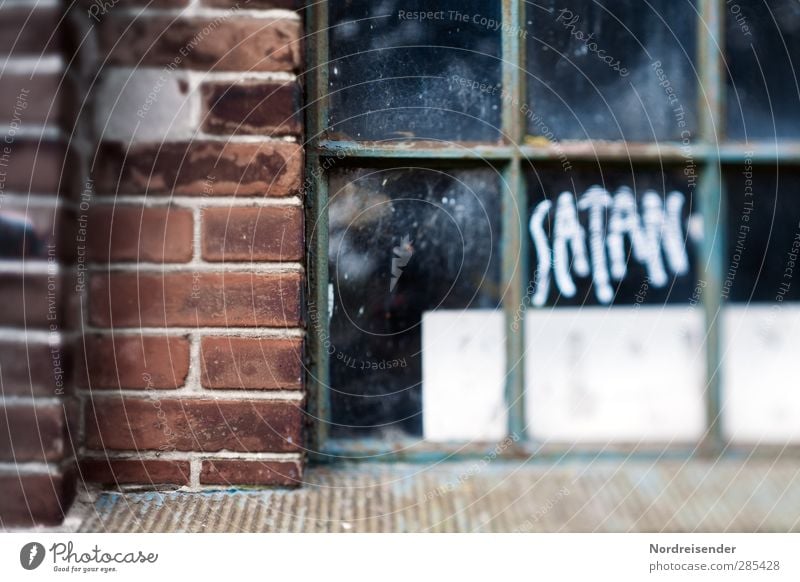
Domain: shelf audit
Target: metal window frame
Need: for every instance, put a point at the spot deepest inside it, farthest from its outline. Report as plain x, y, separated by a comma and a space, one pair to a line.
711, 153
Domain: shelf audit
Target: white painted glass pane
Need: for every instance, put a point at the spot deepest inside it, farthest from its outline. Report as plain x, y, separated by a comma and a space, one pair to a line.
762, 394
615, 374
463, 374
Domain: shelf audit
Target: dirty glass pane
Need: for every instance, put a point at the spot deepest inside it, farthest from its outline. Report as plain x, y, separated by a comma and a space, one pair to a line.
412, 69
762, 317
414, 263
762, 45
611, 69
614, 327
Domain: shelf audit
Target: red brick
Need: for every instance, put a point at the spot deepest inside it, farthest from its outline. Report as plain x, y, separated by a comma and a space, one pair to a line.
240, 472
231, 363
34, 167
34, 369
29, 433
251, 107
193, 425
201, 169
141, 234
134, 362
253, 234
26, 301
26, 30
35, 98
227, 43
35, 498
126, 471
202, 299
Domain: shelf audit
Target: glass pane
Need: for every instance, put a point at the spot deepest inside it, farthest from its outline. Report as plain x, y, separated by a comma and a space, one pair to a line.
407, 69
416, 342
762, 318
762, 47
614, 329
612, 69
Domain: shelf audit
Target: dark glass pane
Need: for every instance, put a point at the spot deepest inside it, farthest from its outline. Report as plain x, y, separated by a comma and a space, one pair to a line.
404, 243
761, 325
762, 48
614, 327
763, 235
612, 236
410, 69
619, 70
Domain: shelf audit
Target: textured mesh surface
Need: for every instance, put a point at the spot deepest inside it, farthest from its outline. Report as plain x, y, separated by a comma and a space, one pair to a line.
465, 497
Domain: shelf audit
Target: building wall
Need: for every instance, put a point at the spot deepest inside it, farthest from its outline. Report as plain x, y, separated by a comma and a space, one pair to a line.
187, 234
37, 410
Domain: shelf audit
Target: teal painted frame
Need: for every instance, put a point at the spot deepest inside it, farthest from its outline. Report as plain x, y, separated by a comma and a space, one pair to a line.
711, 152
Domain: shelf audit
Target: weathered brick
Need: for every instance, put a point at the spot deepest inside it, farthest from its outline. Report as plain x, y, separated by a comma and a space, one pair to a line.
241, 472
141, 234
35, 498
31, 369
251, 107
144, 105
201, 168
30, 301
134, 362
125, 471
29, 30
232, 43
251, 363
253, 234
193, 425
201, 299
32, 433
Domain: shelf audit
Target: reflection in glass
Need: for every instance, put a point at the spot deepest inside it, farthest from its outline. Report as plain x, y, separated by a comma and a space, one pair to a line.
410, 250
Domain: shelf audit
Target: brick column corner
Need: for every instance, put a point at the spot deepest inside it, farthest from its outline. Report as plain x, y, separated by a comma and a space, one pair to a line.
190, 361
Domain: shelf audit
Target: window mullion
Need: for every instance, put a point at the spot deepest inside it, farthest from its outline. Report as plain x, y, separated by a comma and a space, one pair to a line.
711, 200
315, 193
514, 250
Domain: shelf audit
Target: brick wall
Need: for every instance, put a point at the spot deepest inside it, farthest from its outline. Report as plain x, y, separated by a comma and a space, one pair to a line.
37, 412
152, 248
191, 357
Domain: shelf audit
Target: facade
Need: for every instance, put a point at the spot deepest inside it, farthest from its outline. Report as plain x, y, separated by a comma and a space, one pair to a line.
242, 239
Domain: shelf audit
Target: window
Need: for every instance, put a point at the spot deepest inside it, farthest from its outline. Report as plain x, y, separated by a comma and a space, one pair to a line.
524, 222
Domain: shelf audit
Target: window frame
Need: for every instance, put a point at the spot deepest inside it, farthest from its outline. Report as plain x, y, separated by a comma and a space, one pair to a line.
711, 152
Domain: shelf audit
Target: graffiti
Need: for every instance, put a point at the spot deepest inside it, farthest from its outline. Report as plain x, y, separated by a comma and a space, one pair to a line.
654, 232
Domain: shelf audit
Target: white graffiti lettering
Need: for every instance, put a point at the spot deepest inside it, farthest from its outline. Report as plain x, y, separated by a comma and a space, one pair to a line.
654, 234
